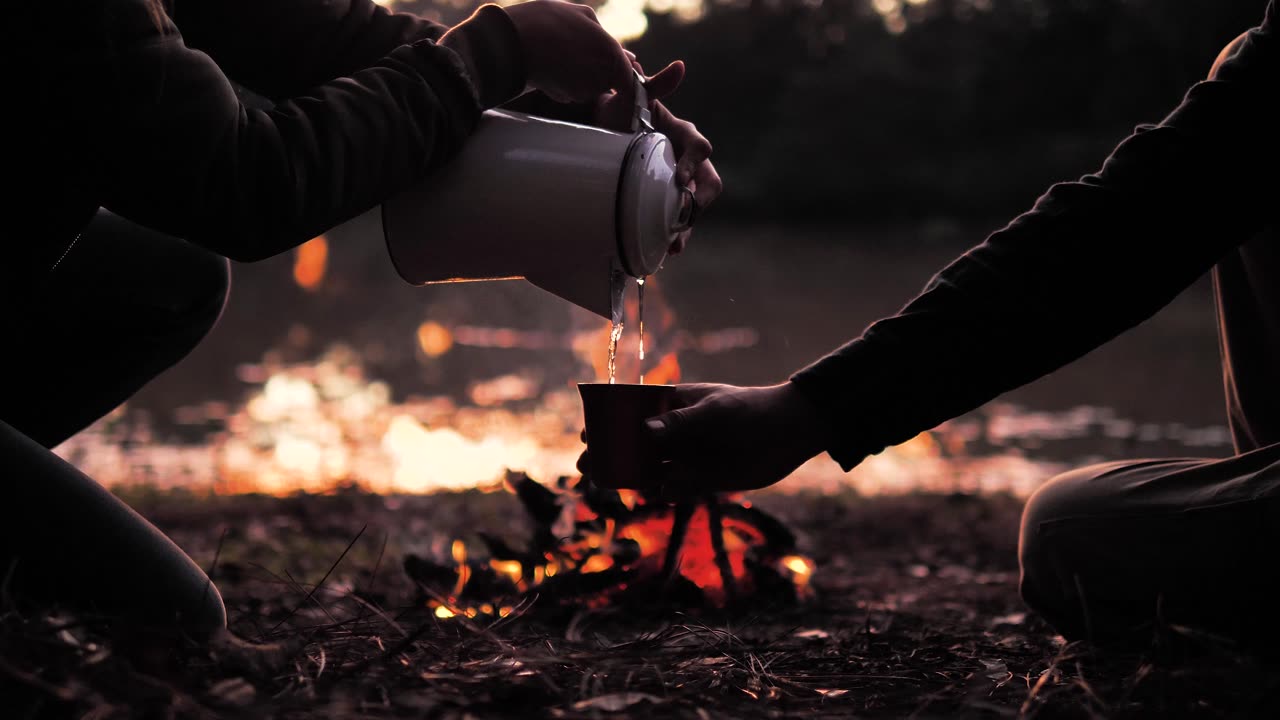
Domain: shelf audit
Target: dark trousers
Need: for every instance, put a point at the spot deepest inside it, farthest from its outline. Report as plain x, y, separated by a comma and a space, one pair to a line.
1109, 552
124, 304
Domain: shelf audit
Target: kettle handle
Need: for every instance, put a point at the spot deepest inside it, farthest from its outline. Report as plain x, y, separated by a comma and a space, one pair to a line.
688, 210
641, 121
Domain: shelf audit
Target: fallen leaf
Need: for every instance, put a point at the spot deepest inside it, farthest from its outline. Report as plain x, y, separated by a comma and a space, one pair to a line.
995, 669
235, 692
615, 702
831, 692
1011, 619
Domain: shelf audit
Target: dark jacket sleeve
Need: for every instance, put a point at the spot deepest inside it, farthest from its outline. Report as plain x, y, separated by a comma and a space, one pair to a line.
281, 48
1092, 259
170, 146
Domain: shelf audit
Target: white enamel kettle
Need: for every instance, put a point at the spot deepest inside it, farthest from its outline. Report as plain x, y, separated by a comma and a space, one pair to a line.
571, 208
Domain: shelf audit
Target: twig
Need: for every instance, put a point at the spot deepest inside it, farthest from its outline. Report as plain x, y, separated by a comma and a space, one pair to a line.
322, 580
716, 528
680, 518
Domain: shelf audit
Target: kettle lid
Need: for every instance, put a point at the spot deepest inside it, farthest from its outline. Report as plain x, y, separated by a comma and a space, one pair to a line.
651, 207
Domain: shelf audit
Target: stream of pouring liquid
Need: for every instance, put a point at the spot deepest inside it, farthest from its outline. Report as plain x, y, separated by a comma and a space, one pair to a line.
640, 319
615, 334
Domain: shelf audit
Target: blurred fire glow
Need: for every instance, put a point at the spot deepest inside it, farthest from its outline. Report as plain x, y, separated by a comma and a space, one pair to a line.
309, 263
319, 425
434, 339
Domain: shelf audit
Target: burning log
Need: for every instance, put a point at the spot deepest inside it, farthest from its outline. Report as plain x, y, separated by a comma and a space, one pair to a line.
593, 546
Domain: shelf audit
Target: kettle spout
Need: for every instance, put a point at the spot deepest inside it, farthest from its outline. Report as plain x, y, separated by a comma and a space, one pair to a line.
597, 286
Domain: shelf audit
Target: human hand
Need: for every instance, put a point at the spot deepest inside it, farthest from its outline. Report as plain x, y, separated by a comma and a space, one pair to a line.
567, 54
725, 438
693, 164
693, 151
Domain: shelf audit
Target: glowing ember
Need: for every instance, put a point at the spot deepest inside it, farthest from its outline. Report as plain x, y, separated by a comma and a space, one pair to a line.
591, 549
801, 568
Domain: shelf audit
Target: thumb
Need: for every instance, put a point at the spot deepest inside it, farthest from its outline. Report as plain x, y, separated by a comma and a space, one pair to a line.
668, 433
665, 81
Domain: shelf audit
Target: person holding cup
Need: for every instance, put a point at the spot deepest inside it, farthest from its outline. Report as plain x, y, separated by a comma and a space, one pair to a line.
1102, 549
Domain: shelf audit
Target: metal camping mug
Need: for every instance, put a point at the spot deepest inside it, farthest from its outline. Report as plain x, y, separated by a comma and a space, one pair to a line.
621, 454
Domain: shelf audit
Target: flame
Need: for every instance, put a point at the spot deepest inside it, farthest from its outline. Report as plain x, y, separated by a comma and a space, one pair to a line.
444, 613
801, 566
309, 263
596, 563
508, 568
650, 534
666, 372
723, 568
591, 346
628, 498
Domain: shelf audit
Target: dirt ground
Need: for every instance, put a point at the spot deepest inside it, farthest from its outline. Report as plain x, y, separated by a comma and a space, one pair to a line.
916, 614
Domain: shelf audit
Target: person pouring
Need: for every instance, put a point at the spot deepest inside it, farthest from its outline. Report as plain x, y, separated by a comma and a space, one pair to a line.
141, 171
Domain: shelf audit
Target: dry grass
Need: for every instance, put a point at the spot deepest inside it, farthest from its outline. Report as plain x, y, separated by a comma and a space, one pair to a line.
917, 615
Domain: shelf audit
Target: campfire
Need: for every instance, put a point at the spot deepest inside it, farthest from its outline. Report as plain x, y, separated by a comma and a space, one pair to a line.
593, 547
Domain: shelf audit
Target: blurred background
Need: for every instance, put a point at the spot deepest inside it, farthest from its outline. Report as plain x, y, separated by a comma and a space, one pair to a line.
863, 144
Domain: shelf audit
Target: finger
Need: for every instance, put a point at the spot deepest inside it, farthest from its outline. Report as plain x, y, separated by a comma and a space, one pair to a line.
621, 75
617, 79
707, 184
683, 483
665, 81
679, 242
691, 146
668, 434
684, 134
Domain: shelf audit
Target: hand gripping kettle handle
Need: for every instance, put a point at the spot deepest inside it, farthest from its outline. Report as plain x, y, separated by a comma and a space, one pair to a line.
688, 210
641, 122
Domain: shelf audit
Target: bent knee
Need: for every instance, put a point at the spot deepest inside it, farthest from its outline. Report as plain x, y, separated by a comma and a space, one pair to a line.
1074, 493
208, 278
1069, 494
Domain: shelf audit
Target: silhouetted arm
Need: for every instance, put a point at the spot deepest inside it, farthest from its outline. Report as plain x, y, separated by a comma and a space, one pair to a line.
170, 146
1092, 259
280, 48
